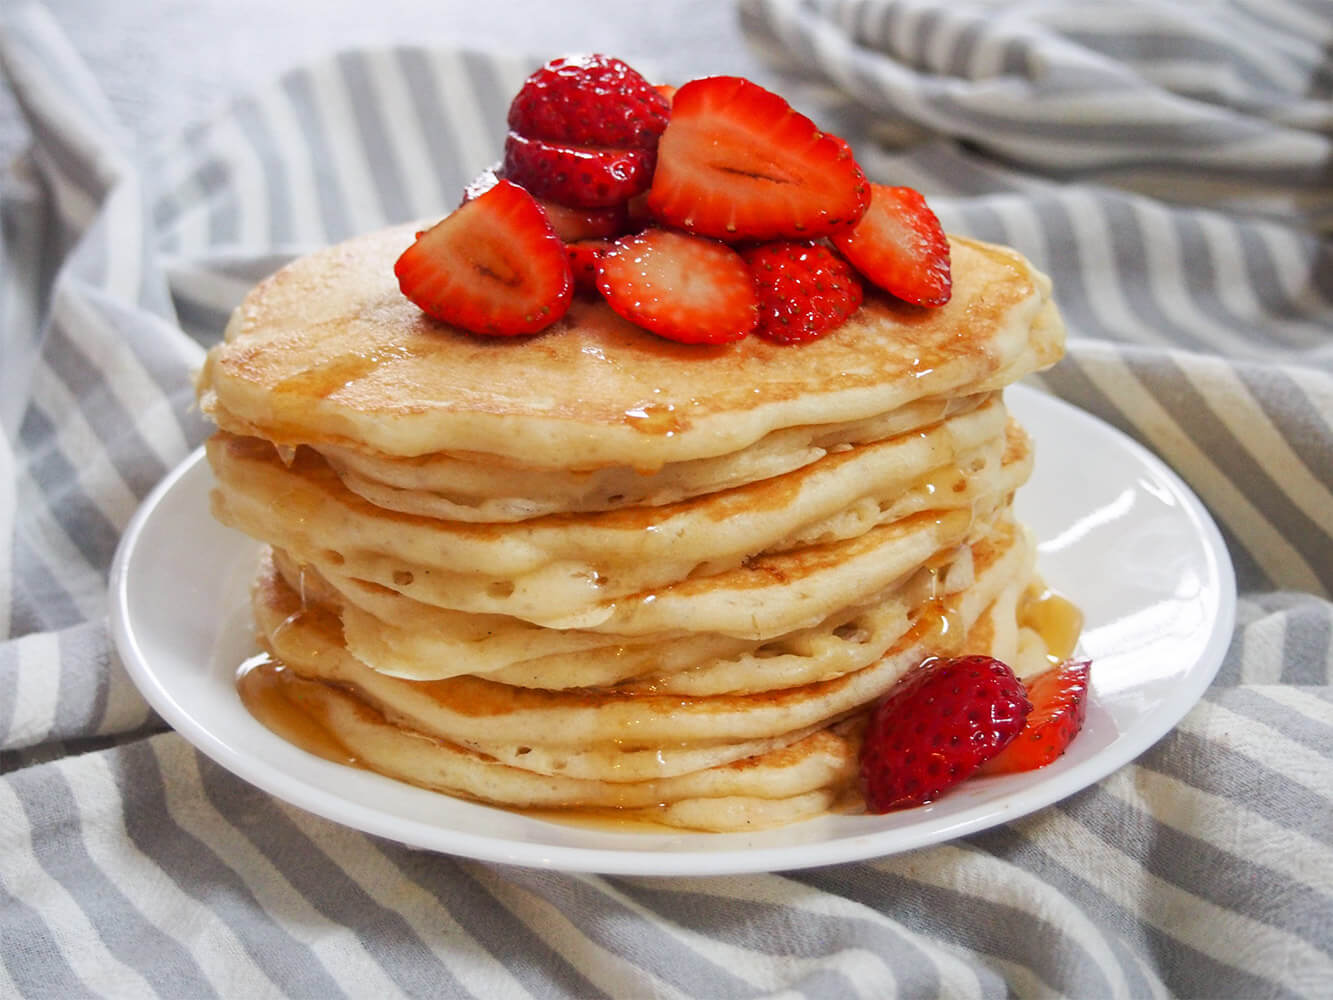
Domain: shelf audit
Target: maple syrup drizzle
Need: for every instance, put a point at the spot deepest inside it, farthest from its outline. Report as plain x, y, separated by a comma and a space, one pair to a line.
263, 687
262, 684
659, 419
1053, 617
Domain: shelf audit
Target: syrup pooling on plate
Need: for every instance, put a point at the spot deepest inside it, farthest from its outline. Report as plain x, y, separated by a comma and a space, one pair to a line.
604, 566
261, 685
1055, 618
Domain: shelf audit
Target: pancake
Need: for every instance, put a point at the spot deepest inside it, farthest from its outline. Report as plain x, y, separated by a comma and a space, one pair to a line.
457, 489
328, 352
700, 663
556, 568
480, 738
593, 569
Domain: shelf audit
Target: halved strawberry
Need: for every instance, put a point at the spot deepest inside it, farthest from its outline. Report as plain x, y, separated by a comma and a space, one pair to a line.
584, 258
900, 246
574, 224
681, 287
589, 100
1059, 707
582, 176
936, 727
736, 162
804, 289
493, 266
667, 91
570, 223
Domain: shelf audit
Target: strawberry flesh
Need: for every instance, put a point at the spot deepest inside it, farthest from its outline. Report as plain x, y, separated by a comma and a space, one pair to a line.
681, 287
736, 162
936, 727
900, 246
590, 100
804, 289
1059, 707
570, 224
573, 224
493, 266
579, 176
584, 260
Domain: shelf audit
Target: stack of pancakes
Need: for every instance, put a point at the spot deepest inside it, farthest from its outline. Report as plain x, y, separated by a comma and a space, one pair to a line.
595, 569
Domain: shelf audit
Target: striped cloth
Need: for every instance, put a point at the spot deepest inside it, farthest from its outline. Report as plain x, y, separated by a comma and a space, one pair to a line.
1167, 163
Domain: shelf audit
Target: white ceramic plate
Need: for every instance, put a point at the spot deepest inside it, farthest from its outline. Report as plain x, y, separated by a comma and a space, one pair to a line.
1120, 534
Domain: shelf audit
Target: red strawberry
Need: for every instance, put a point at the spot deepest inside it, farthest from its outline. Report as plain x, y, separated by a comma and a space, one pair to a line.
936, 726
1059, 706
667, 91
582, 176
493, 266
736, 162
584, 258
574, 224
637, 210
804, 289
900, 246
678, 286
591, 100
570, 224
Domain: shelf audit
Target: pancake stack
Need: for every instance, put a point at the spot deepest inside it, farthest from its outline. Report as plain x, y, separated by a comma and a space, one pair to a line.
596, 570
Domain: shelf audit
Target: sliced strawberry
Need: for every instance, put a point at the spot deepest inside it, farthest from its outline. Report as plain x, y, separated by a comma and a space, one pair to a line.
637, 210
736, 162
581, 176
570, 223
900, 246
590, 100
804, 289
493, 266
584, 259
1059, 707
678, 286
936, 726
667, 91
574, 224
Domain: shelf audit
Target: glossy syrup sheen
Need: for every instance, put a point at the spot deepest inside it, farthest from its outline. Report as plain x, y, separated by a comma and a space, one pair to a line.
1055, 618
261, 683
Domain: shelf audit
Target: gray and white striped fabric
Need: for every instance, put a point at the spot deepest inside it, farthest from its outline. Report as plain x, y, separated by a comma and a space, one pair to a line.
1168, 165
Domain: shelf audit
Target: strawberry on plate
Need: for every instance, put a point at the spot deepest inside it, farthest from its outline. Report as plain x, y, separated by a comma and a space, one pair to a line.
1059, 707
936, 727
681, 287
573, 224
493, 266
590, 100
570, 223
900, 246
736, 162
804, 289
581, 176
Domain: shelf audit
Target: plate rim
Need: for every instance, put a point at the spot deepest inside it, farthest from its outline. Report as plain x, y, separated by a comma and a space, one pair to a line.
611, 860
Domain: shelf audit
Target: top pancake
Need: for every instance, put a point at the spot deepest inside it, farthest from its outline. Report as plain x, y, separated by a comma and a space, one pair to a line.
329, 352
